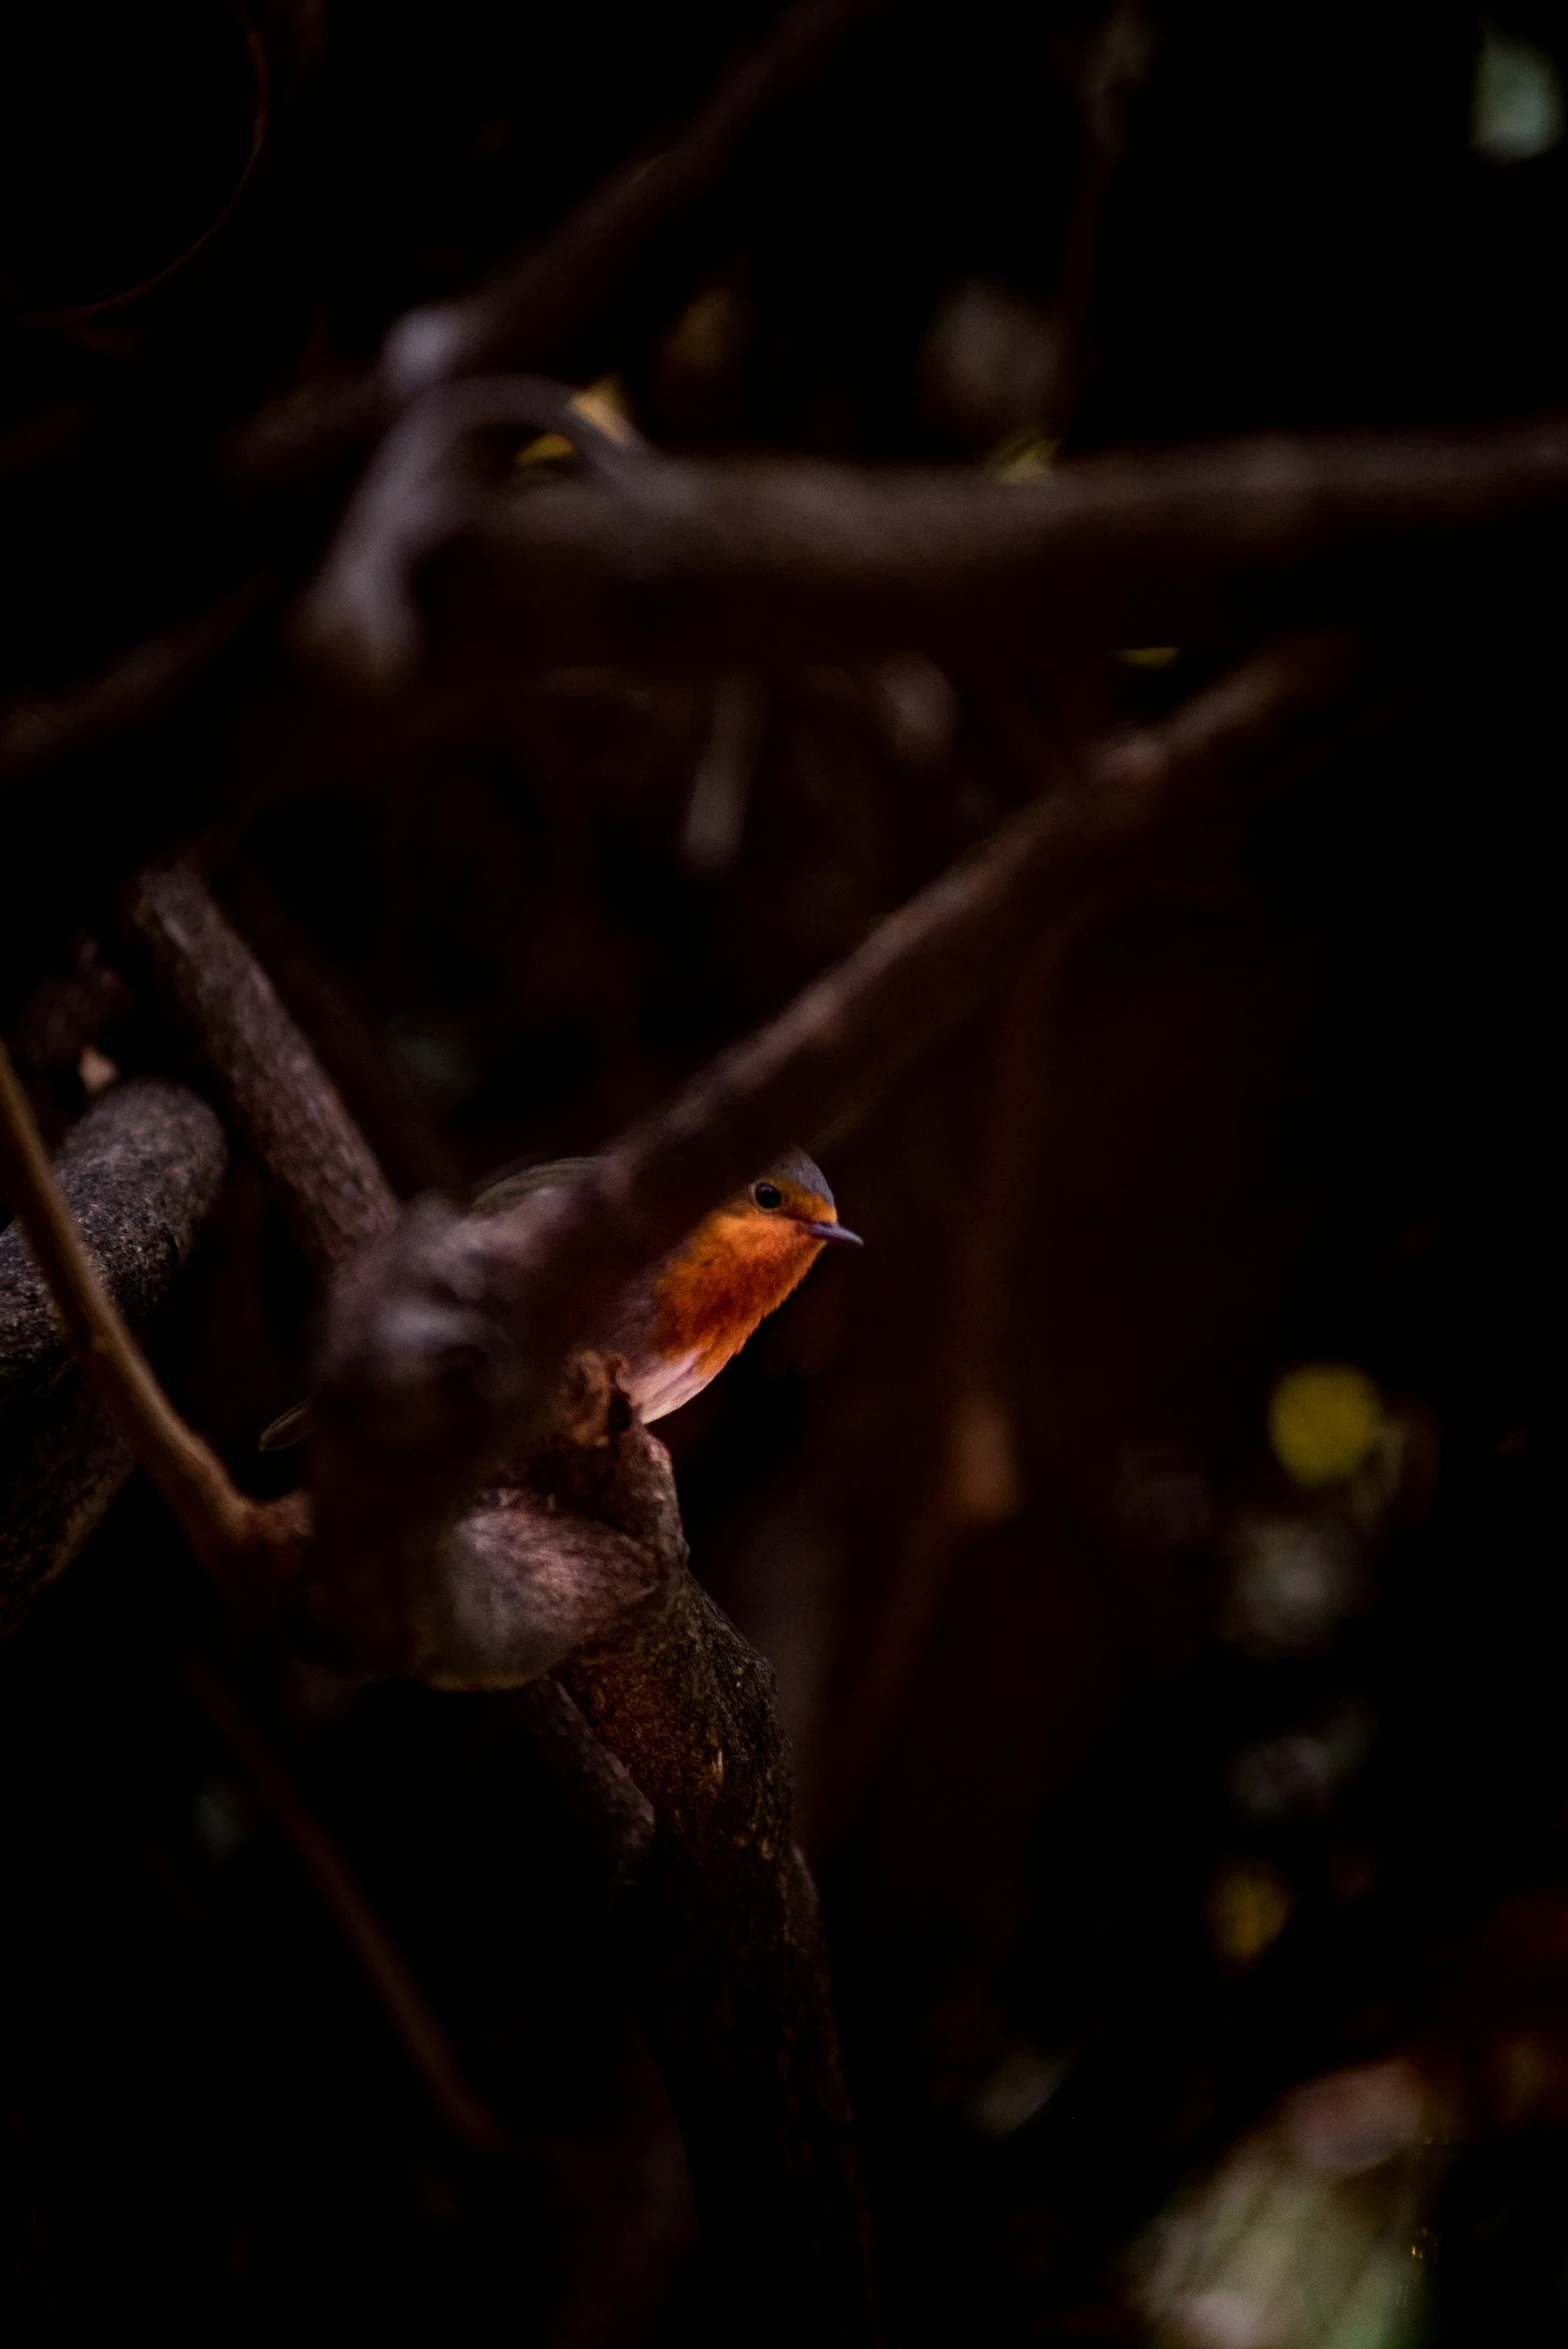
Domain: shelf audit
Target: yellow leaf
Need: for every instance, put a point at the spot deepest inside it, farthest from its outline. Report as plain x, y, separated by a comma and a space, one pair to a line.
1324, 1420
603, 403
1249, 1907
1027, 456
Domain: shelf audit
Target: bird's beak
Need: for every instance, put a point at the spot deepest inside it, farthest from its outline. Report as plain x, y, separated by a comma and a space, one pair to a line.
833, 1231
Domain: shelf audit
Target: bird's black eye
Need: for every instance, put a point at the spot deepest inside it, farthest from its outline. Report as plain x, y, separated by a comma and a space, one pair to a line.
767, 1194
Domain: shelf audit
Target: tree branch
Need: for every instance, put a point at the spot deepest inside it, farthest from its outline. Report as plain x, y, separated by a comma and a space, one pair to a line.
580, 1561
590, 1541
403, 1137
538, 304
275, 1090
733, 1984
285, 464
39, 732
584, 1537
413, 2021
441, 1341
147, 1131
682, 563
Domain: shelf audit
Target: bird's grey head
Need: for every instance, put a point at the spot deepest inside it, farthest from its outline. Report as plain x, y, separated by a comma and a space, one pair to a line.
793, 1166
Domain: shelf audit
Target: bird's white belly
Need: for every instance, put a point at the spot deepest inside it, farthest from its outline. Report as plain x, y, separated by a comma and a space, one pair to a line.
662, 1387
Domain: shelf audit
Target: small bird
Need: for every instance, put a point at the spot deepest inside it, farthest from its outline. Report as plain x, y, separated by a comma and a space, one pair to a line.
677, 1324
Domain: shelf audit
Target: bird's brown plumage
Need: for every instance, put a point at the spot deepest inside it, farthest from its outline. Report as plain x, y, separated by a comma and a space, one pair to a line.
678, 1324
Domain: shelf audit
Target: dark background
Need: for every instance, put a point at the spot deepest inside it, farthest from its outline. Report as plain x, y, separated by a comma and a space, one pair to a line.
1296, 1109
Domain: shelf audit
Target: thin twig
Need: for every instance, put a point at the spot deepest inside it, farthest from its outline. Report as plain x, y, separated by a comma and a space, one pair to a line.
40, 732
414, 2022
139, 1174
1111, 72
537, 306
716, 811
220, 1524
539, 302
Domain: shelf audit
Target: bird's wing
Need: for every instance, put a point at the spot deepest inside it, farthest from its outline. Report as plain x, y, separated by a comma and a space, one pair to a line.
554, 1175
629, 1324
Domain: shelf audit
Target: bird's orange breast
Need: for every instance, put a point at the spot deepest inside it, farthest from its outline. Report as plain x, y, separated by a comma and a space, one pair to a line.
733, 1272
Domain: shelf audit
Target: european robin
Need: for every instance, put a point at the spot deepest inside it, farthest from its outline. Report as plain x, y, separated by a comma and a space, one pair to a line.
682, 1320
678, 1323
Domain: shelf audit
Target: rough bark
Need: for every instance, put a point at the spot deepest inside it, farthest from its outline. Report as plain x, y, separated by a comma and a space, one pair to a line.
733, 1984
405, 1140
275, 1090
583, 1540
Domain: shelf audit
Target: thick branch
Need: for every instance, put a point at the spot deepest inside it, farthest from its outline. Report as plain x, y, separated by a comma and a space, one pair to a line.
733, 1985
722, 563
139, 1174
584, 1540
272, 1085
583, 1548
590, 1541
580, 1562
587, 1539
61, 1463
402, 1135
734, 566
